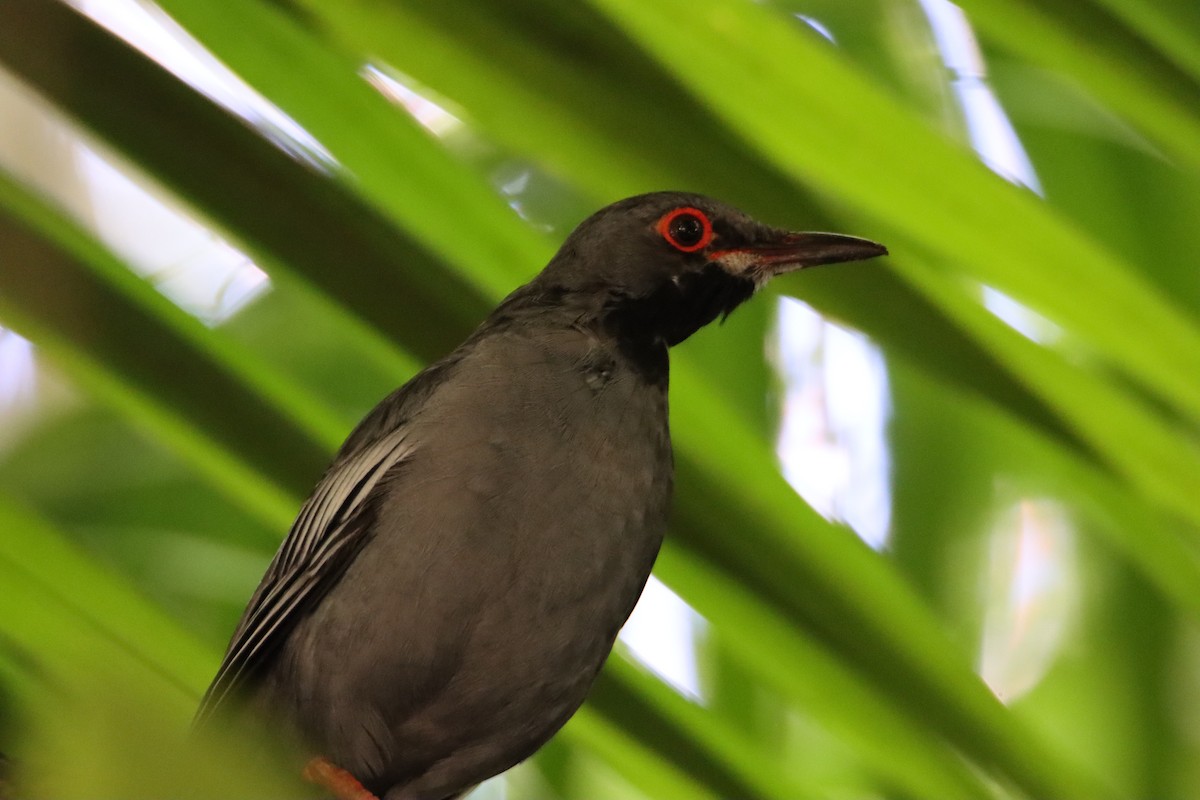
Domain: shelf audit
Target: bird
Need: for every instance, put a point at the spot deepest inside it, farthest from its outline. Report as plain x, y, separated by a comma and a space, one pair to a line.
449, 592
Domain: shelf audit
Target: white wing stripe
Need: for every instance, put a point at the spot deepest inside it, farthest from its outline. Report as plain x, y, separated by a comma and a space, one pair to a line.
322, 530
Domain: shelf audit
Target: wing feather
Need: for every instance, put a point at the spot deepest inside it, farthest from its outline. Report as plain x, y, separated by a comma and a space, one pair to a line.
327, 532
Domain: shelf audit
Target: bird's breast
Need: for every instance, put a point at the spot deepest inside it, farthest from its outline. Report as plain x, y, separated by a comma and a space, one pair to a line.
562, 462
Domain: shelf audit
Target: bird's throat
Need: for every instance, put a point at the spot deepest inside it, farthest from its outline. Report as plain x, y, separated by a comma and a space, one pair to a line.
684, 305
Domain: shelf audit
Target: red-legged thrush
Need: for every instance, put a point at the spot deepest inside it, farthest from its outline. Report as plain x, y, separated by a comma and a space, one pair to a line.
450, 590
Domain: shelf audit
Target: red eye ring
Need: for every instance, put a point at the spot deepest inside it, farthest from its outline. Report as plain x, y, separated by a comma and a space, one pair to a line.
677, 228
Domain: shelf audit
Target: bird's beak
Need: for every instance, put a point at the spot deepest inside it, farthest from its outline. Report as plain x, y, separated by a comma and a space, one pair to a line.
792, 251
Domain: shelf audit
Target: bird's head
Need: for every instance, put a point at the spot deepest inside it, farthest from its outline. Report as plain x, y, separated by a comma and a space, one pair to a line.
668, 263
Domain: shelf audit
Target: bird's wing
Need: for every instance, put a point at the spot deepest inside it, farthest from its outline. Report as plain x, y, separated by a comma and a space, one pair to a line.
329, 530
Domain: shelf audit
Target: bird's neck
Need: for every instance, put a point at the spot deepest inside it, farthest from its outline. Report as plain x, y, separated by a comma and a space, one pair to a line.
599, 318
646, 355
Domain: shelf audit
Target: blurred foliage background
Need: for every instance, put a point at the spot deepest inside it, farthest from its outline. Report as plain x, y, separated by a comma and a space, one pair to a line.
228, 228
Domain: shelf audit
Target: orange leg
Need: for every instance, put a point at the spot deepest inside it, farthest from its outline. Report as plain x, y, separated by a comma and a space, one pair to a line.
341, 783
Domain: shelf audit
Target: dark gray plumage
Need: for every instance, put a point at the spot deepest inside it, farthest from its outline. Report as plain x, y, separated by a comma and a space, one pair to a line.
451, 589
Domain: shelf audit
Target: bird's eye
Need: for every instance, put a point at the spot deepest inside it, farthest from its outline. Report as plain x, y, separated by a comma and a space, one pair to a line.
687, 229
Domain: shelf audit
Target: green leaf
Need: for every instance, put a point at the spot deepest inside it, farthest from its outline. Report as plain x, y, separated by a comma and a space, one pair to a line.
1088, 43
704, 744
828, 580
1173, 28
742, 59
59, 286
898, 750
64, 610
625, 754
427, 192
1151, 454
241, 181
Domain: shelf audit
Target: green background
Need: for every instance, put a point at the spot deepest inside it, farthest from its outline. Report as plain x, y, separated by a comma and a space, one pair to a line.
142, 497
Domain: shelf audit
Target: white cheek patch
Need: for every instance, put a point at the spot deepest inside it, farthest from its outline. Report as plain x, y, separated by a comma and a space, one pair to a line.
742, 263
736, 261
